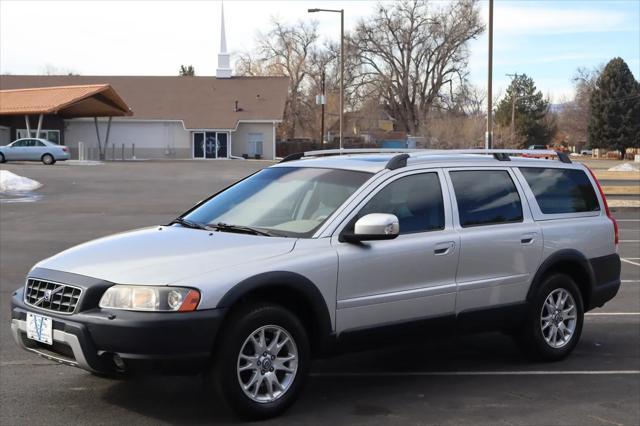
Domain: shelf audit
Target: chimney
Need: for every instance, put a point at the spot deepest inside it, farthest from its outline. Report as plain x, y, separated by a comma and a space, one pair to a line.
224, 63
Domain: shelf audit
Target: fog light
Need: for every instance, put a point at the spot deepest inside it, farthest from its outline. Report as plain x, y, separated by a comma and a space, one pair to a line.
119, 363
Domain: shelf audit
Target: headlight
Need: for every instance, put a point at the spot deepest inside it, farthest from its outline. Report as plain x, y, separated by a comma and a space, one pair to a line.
146, 298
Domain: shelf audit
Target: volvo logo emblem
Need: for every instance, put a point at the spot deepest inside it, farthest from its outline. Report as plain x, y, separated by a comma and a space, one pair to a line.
48, 295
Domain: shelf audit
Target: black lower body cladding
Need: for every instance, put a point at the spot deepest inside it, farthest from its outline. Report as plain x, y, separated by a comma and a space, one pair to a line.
606, 271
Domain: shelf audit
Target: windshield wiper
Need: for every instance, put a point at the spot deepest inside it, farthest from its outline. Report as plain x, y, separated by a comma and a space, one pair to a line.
189, 224
225, 227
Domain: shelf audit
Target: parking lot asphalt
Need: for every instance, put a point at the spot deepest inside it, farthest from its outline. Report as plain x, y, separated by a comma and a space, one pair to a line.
480, 379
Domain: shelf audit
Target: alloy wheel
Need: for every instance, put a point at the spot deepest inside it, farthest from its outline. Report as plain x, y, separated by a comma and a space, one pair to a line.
558, 318
267, 364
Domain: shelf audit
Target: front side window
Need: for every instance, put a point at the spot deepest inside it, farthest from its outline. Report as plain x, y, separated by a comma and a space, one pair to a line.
416, 201
288, 201
486, 197
19, 144
561, 190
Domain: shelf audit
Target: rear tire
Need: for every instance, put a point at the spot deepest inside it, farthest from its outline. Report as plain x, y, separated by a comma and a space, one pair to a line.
48, 159
262, 360
554, 320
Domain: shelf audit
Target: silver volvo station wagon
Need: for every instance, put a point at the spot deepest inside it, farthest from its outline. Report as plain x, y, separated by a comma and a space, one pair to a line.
324, 253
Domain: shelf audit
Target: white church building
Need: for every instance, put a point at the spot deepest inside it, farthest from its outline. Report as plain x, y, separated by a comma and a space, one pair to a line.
179, 117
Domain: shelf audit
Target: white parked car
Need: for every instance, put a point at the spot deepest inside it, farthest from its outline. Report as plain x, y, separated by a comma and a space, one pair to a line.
32, 149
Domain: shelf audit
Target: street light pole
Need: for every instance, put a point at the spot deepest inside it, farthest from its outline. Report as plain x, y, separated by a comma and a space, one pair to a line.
341, 12
488, 143
341, 73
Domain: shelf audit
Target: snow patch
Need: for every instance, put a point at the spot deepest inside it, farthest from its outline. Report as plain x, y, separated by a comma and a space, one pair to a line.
10, 182
625, 167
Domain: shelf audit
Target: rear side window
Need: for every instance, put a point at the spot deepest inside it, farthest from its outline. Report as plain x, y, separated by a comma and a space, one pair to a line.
415, 199
561, 190
486, 197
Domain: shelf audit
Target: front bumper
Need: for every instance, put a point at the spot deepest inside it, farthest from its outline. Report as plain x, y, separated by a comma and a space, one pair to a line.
151, 341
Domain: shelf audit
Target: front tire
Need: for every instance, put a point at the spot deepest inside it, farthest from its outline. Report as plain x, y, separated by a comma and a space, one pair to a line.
262, 361
554, 320
48, 159
2, 159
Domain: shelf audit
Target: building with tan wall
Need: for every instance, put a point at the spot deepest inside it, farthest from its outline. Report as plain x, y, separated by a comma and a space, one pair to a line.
177, 117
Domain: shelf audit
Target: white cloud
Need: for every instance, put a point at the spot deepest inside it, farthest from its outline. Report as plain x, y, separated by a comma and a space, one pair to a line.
520, 18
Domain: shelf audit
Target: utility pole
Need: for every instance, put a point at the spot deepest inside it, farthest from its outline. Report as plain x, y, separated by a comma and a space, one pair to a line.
341, 12
322, 112
488, 143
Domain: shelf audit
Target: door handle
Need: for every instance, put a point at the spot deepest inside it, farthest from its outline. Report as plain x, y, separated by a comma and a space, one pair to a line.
445, 248
528, 238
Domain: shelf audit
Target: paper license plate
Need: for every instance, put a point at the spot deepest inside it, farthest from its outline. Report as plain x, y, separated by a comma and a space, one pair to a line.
40, 328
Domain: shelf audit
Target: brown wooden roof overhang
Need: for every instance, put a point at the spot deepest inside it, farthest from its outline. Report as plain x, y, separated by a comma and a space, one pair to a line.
91, 100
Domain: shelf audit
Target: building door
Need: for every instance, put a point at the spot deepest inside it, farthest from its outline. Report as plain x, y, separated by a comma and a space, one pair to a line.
222, 148
5, 135
210, 146
198, 144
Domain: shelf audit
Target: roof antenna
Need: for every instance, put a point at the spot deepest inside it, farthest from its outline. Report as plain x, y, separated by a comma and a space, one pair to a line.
236, 108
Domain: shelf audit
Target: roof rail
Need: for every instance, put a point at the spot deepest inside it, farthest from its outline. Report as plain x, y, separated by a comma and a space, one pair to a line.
401, 160
499, 154
322, 152
292, 157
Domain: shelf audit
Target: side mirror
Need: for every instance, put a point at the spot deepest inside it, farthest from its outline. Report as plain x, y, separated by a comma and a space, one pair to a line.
374, 226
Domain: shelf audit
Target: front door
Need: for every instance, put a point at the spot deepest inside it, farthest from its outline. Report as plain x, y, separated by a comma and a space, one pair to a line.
210, 145
408, 278
500, 244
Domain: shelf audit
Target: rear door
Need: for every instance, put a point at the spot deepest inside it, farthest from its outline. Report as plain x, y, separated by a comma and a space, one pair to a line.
410, 277
500, 245
36, 150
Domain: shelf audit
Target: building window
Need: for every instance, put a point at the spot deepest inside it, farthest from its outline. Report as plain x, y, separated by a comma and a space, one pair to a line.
256, 144
50, 135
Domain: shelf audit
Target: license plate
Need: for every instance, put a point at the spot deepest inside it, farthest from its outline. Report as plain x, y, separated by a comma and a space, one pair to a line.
40, 328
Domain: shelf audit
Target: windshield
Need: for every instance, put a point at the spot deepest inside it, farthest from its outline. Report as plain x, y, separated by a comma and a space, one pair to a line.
289, 201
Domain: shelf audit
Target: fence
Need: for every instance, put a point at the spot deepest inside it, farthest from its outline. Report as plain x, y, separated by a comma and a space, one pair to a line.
113, 152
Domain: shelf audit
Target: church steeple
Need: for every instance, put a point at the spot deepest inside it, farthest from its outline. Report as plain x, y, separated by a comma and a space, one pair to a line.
224, 63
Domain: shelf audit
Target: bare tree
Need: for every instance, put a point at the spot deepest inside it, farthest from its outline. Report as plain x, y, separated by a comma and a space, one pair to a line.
573, 118
285, 50
413, 54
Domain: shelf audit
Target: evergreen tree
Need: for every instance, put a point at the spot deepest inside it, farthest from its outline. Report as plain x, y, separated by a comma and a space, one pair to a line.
615, 109
187, 71
531, 127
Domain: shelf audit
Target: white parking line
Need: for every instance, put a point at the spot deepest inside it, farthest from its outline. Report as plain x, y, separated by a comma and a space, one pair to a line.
627, 220
629, 241
611, 314
630, 281
629, 261
480, 373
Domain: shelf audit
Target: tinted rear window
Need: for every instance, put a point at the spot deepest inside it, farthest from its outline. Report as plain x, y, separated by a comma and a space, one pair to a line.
486, 197
561, 190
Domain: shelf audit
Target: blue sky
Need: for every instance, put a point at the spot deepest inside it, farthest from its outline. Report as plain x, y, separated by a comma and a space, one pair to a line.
547, 39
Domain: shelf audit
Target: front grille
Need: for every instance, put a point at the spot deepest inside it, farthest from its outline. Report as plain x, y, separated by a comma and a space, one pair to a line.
51, 296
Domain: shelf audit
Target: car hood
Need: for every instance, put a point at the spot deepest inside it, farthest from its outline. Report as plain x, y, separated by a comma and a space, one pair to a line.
165, 254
